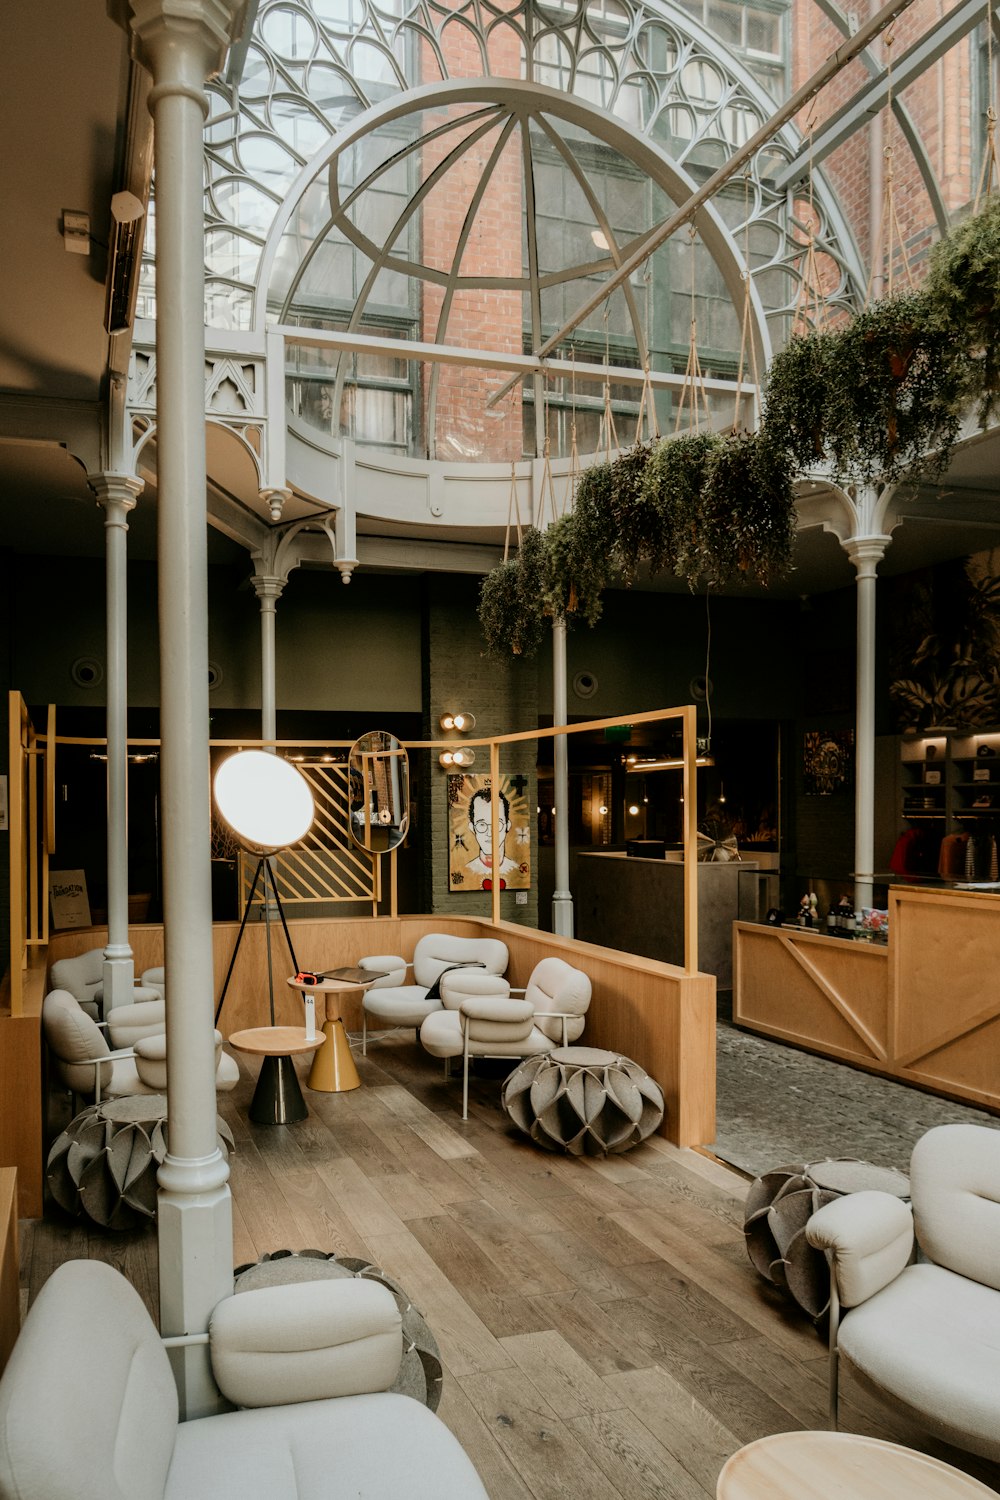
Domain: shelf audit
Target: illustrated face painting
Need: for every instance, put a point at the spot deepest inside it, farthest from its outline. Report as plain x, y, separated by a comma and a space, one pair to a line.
472, 861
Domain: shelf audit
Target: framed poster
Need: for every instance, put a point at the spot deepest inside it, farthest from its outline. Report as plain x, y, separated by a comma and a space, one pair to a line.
471, 860
68, 895
827, 761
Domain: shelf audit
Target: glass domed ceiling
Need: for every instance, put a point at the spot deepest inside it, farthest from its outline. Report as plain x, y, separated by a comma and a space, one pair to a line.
482, 224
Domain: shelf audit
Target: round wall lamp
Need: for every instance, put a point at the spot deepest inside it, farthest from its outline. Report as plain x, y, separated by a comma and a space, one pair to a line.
457, 758
265, 801
464, 723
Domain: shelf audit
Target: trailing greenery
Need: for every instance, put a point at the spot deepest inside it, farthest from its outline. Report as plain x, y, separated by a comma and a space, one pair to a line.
574, 576
510, 601
880, 397
675, 480
747, 524
637, 524
963, 295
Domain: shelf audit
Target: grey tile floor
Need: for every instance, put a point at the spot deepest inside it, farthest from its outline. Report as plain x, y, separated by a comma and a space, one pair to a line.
776, 1104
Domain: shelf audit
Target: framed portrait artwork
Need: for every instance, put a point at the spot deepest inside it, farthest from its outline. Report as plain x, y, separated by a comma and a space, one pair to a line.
472, 861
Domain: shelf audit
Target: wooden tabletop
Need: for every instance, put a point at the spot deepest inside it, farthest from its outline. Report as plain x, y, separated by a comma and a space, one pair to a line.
330, 986
274, 1041
831, 1465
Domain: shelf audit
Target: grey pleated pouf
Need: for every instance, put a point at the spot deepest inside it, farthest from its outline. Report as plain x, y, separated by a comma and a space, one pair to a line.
420, 1371
780, 1204
104, 1163
584, 1101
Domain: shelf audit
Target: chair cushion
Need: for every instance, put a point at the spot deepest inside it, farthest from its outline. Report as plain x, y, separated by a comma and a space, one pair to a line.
72, 1036
437, 951
459, 984
306, 1341
390, 968
955, 1185
79, 975
555, 985
151, 1064
377, 1446
441, 1036
128, 1024
403, 1005
931, 1340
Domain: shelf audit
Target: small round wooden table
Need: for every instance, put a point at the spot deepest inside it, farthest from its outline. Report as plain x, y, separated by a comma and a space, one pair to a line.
277, 1099
333, 1070
834, 1465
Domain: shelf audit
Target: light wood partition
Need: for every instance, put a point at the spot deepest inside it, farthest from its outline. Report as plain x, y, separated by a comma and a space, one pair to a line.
10, 1290
21, 1103
655, 1013
925, 1011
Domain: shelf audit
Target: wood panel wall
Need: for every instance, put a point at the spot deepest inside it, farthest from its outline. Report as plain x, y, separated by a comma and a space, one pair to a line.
925, 1011
21, 1092
648, 1010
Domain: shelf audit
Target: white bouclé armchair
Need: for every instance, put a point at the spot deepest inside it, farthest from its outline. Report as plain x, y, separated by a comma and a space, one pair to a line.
89, 1411
924, 1334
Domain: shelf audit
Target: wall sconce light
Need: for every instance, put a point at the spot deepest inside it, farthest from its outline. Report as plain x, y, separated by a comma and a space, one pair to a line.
634, 810
464, 723
457, 757
124, 255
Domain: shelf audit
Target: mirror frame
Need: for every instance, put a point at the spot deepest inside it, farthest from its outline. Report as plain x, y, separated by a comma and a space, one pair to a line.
368, 750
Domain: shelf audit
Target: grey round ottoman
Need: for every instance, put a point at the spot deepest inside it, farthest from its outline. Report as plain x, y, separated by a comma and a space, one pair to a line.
420, 1371
780, 1204
104, 1163
584, 1101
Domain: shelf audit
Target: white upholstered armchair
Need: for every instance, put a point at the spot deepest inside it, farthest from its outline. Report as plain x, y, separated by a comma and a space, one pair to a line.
481, 1016
83, 977
88, 1404
390, 998
84, 1063
925, 1335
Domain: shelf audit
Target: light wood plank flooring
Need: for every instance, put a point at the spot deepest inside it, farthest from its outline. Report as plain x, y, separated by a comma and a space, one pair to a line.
602, 1330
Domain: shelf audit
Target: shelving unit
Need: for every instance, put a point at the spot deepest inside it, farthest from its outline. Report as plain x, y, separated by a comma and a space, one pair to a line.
949, 783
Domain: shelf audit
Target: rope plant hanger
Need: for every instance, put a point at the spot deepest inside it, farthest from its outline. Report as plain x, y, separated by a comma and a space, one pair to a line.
889, 236
647, 401
693, 393
547, 491
607, 435
811, 311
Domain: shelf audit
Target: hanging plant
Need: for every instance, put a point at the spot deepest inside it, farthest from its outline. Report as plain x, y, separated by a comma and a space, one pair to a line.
574, 575
798, 384
747, 526
896, 392
511, 601
674, 482
637, 523
963, 296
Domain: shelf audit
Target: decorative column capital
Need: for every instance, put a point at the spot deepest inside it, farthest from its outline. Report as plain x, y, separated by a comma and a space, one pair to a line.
269, 588
212, 25
116, 494
866, 552
345, 567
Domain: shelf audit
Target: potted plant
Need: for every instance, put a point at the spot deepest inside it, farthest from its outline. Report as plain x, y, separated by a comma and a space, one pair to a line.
637, 523
747, 522
674, 483
798, 383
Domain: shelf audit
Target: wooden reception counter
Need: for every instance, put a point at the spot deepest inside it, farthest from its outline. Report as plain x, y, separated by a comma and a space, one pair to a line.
924, 1010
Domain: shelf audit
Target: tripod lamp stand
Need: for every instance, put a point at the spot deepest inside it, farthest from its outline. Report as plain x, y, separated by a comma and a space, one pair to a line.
269, 806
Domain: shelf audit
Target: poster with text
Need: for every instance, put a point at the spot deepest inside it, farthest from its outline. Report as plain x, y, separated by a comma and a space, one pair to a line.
471, 859
68, 895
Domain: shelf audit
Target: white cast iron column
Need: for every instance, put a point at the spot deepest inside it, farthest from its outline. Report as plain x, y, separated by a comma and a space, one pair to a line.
562, 896
268, 590
865, 553
183, 42
117, 494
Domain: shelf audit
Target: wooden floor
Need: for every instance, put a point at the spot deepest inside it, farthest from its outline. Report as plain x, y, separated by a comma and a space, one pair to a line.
602, 1330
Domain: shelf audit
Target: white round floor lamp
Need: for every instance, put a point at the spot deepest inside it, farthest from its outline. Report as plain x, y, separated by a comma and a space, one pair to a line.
269, 806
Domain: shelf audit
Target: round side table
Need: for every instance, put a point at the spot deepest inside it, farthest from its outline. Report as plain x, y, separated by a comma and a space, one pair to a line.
830, 1465
277, 1099
333, 1070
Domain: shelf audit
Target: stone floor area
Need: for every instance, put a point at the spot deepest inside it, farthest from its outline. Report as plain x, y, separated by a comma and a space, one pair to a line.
777, 1105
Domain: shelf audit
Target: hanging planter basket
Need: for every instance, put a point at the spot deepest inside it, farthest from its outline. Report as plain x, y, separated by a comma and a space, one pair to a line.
674, 483
963, 298
511, 601
748, 512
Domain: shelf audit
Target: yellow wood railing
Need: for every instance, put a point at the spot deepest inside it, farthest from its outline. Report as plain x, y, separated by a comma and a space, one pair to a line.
31, 823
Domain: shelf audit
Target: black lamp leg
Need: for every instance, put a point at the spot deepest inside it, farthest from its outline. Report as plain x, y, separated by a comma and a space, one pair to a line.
239, 939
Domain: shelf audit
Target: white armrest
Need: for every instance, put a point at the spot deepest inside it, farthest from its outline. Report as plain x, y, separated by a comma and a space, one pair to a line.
130, 1023
559, 1015
496, 1008
306, 1342
458, 985
390, 968
869, 1239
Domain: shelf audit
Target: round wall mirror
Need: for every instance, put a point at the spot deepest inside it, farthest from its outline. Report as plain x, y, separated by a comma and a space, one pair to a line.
379, 792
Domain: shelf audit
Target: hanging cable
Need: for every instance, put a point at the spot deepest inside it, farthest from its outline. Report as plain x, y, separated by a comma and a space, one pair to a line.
647, 403
513, 512
990, 173
569, 499
607, 434
811, 311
